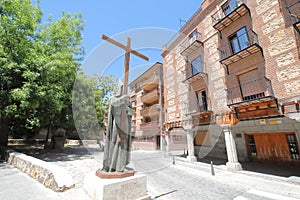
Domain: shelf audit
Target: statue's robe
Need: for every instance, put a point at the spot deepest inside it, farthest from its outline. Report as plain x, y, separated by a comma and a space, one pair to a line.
118, 135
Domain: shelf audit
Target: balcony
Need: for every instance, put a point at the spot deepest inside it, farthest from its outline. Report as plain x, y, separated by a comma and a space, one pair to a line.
150, 83
133, 104
198, 76
151, 97
294, 11
205, 118
201, 115
254, 99
150, 111
149, 126
132, 98
191, 44
241, 47
251, 92
230, 11
134, 118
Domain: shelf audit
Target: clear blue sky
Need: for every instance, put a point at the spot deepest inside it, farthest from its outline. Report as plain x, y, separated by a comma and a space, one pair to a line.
114, 17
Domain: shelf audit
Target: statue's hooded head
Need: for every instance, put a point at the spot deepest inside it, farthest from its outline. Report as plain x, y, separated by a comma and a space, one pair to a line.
118, 90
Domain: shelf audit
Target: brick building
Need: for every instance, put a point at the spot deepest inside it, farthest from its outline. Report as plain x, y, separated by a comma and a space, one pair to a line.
146, 95
232, 81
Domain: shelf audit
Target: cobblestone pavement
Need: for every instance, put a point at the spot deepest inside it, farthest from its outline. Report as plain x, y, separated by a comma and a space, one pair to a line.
194, 181
168, 181
76, 160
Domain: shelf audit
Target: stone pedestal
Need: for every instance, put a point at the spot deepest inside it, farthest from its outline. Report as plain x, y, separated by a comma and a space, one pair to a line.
59, 143
130, 188
191, 158
233, 166
233, 163
107, 175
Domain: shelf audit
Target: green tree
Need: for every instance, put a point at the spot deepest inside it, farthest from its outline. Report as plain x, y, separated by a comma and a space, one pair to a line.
91, 96
38, 66
105, 88
18, 23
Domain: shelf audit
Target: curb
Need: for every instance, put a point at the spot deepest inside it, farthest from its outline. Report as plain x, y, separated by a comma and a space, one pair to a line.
51, 176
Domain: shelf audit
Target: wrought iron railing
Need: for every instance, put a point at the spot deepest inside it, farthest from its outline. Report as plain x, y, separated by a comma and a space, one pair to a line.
239, 44
226, 9
253, 90
195, 108
189, 40
191, 72
294, 11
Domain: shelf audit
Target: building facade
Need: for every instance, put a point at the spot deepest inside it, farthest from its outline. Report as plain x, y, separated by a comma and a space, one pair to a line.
232, 81
146, 96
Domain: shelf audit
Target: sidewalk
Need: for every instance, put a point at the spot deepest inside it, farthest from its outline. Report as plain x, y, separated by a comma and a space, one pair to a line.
263, 170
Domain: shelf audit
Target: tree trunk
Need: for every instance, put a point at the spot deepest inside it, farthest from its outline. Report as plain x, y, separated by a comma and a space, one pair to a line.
48, 133
3, 131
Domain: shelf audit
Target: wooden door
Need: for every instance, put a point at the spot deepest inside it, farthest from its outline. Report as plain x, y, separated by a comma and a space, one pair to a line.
272, 147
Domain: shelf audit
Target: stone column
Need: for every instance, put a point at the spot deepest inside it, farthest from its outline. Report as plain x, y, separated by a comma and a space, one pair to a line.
233, 163
167, 138
190, 142
162, 144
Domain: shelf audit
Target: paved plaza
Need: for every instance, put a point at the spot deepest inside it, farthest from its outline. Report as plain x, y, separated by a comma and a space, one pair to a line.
166, 179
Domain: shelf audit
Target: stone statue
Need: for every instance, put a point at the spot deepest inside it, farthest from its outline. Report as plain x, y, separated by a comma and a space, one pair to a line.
118, 137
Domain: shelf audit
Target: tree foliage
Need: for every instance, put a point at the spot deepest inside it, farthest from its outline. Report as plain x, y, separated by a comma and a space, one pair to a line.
38, 67
91, 96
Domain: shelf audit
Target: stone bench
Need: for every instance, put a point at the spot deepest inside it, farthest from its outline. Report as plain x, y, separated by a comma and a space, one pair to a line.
48, 174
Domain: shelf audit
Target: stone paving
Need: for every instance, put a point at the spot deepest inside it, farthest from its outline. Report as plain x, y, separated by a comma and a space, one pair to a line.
165, 180
76, 160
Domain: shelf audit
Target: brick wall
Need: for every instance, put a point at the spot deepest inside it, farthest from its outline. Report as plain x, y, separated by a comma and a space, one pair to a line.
279, 42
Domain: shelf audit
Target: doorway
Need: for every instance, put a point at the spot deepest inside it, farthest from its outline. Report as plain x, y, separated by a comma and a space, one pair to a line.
273, 147
158, 142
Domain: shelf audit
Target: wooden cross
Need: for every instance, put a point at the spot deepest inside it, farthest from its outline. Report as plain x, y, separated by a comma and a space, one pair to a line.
127, 58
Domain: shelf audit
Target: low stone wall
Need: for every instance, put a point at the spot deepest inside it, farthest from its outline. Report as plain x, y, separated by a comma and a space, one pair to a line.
51, 176
25, 141
138, 145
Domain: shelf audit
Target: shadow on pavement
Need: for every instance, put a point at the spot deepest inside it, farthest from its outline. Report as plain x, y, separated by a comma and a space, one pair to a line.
263, 168
272, 169
52, 155
257, 167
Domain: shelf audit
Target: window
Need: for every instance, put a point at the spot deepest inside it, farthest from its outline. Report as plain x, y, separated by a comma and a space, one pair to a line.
229, 6
202, 101
239, 40
252, 87
197, 66
252, 145
193, 36
291, 139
